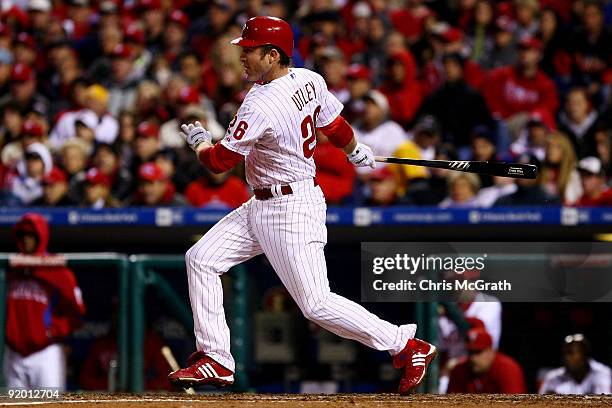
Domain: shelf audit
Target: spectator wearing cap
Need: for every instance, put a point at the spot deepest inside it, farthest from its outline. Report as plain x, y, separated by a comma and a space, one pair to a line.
486, 371
580, 373
528, 192
102, 127
425, 137
123, 81
175, 34
134, 37
559, 174
31, 132
97, 190
24, 49
428, 188
383, 187
595, 190
23, 91
454, 322
25, 181
401, 87
188, 106
579, 120
376, 129
523, 87
359, 83
55, 190
154, 188
590, 47
462, 191
504, 51
219, 191
458, 107
107, 160
147, 144
334, 173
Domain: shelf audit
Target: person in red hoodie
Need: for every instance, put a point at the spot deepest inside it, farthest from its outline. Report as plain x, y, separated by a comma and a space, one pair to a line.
44, 305
523, 87
401, 87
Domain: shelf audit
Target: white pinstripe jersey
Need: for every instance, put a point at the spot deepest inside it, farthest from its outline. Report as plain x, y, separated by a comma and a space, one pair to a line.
275, 127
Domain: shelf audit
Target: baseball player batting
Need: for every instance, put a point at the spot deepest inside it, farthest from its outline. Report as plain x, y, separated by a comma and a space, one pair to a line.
274, 131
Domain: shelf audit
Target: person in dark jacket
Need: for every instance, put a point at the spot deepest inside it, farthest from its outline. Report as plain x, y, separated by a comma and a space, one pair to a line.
458, 107
529, 192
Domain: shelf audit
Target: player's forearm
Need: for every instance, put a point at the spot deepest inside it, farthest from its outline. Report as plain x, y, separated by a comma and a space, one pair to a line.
340, 134
217, 158
350, 147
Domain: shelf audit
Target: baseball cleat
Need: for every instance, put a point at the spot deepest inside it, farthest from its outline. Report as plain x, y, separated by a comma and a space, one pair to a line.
203, 370
415, 359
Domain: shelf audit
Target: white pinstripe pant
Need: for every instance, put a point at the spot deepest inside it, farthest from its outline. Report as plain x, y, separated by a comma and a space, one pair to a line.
290, 230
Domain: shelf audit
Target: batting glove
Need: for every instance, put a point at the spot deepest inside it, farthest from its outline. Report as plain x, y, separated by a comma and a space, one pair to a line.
362, 156
194, 135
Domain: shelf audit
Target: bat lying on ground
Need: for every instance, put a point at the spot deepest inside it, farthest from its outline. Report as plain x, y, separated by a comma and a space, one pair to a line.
502, 169
169, 356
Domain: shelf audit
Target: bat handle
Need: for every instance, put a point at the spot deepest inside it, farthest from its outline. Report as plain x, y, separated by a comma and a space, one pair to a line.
380, 159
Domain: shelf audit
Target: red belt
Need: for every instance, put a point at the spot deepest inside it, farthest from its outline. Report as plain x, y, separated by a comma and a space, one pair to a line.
266, 193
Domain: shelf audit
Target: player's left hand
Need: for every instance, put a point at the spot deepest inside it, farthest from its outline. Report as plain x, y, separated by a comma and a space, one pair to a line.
194, 135
362, 156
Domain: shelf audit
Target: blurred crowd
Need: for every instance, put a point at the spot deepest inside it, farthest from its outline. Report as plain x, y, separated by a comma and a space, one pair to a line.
92, 94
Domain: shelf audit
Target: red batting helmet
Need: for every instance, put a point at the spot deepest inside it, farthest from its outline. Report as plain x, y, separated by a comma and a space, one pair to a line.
264, 30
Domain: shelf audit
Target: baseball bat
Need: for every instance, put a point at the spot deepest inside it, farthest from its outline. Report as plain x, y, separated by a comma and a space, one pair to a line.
502, 169
169, 356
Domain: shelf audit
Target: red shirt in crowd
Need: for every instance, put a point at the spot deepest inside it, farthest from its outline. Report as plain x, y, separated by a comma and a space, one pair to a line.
335, 174
504, 377
604, 199
231, 193
507, 92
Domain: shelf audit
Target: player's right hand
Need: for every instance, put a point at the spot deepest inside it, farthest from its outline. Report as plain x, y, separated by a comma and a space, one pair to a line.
194, 135
362, 156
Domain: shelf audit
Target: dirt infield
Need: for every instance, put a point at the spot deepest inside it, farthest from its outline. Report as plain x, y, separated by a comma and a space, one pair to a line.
311, 401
